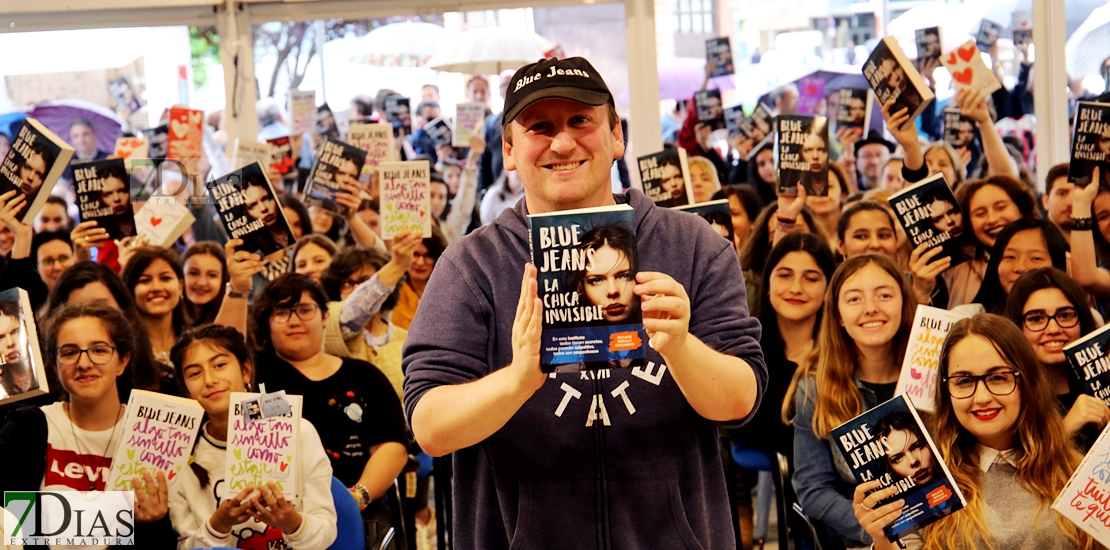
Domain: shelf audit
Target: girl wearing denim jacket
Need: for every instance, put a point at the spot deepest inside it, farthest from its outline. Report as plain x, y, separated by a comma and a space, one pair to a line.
869, 309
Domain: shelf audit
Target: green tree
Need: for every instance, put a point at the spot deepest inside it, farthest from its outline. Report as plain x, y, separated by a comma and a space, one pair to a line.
204, 45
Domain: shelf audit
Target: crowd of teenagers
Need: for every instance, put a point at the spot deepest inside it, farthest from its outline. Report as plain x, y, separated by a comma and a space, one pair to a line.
831, 280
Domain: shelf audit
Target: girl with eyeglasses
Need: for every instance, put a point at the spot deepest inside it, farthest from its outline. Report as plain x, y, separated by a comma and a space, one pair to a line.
997, 428
865, 327
361, 284
424, 260
69, 445
351, 403
1052, 311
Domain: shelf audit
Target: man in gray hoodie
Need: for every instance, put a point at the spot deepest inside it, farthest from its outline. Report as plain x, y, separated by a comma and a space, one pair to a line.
613, 458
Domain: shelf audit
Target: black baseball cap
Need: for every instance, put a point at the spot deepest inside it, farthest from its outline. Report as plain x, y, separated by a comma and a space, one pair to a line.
572, 78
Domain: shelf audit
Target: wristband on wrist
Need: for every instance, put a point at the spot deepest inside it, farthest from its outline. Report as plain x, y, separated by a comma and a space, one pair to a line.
786, 222
231, 293
1082, 224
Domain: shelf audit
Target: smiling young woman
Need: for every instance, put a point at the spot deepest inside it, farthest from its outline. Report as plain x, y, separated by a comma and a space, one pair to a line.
157, 282
868, 312
206, 276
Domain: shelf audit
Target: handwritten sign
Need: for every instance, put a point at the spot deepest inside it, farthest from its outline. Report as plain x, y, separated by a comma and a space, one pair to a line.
406, 201
1085, 500
920, 367
467, 118
376, 140
302, 106
263, 450
159, 432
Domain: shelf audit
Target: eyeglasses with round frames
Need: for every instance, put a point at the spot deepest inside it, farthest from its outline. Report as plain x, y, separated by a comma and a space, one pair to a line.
963, 386
99, 354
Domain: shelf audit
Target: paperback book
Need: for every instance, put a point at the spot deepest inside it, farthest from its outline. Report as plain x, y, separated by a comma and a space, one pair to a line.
35, 162
248, 152
159, 431
969, 70
760, 125
22, 371
718, 56
262, 449
128, 148
1090, 144
928, 44
1089, 358
163, 221
892, 75
587, 261
281, 157
715, 213
920, 368
398, 113
802, 154
337, 163
104, 196
854, 111
666, 177
124, 94
989, 31
734, 118
374, 138
157, 139
405, 197
439, 130
929, 213
185, 133
302, 109
249, 210
707, 104
890, 443
1083, 500
959, 131
468, 117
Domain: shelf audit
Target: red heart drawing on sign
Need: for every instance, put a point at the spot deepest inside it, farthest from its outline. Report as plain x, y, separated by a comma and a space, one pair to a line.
283, 466
172, 474
964, 76
952, 58
967, 53
154, 221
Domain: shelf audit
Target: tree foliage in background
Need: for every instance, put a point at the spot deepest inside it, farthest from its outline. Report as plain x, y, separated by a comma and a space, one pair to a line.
294, 43
204, 45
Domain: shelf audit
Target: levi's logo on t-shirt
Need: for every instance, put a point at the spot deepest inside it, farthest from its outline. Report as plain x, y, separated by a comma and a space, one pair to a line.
68, 469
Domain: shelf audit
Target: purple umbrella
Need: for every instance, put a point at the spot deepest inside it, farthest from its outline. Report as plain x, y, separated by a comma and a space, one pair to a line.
680, 78
57, 116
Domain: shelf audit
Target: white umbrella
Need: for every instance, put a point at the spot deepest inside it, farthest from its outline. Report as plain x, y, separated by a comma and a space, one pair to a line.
407, 44
489, 50
1089, 45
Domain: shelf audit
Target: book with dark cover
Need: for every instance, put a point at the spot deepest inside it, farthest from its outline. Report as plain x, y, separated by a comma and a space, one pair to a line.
1090, 144
22, 371
715, 213
439, 130
666, 177
158, 137
1089, 358
855, 110
802, 154
125, 95
249, 210
336, 163
1023, 37
710, 111
281, 157
734, 117
718, 55
928, 43
929, 213
36, 161
104, 196
989, 31
399, 114
959, 131
890, 443
760, 125
587, 262
892, 75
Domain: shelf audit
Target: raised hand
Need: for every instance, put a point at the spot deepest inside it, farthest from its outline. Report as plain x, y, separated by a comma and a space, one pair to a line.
925, 271
873, 519
242, 266
84, 236
151, 499
527, 326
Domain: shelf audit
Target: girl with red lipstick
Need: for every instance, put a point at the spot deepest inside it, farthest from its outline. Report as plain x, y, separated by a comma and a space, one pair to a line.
206, 277
1052, 311
156, 280
998, 429
868, 313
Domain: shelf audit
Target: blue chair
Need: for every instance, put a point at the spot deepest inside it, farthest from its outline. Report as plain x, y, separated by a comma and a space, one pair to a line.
759, 461
349, 533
